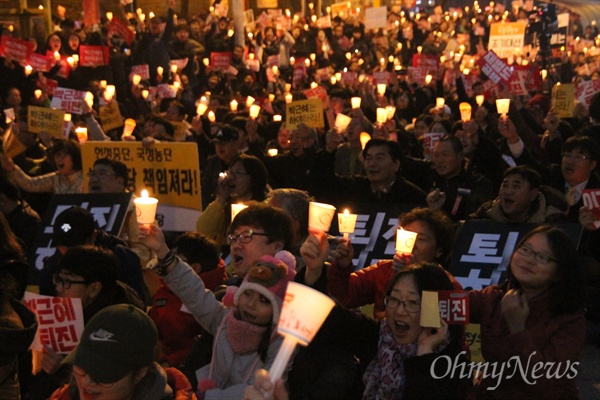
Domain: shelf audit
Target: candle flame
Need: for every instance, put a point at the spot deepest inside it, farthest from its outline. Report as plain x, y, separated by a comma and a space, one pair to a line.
144, 193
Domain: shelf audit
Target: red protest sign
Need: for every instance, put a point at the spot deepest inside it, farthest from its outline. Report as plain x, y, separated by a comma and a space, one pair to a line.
494, 67
93, 56
585, 90
591, 199
454, 306
68, 100
382, 77
17, 49
46, 84
427, 61
319, 93
40, 62
221, 60
120, 28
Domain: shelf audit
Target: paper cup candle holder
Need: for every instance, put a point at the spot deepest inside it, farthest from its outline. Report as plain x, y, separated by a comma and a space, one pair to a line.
145, 208
346, 223
320, 215
405, 240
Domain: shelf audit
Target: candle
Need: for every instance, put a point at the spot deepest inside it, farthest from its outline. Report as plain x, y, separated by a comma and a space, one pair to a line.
276, 117
37, 93
56, 55
82, 134
314, 85
381, 88
145, 93
405, 240
465, 111
419, 49
89, 99
320, 215
544, 73
439, 102
28, 70
333, 80
173, 69
272, 152
312, 56
341, 122
381, 115
355, 102
503, 106
159, 70
136, 79
249, 101
109, 16
346, 223
235, 209
211, 116
254, 111
129, 126
390, 110
109, 92
288, 87
206, 61
288, 97
233, 105
201, 109
302, 314
145, 208
364, 139
271, 97
479, 99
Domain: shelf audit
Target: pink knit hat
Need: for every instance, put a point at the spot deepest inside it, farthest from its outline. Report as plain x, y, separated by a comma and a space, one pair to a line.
268, 276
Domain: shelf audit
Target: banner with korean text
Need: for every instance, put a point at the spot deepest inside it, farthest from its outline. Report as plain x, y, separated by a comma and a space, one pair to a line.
308, 112
505, 37
168, 171
484, 248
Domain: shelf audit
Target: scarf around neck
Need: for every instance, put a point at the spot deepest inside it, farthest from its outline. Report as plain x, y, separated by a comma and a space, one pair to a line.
243, 336
385, 377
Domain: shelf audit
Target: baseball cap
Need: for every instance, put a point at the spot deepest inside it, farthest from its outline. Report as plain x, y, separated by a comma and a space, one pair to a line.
73, 227
226, 134
116, 341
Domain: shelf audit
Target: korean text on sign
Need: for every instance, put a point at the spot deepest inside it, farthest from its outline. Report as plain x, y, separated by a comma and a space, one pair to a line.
60, 321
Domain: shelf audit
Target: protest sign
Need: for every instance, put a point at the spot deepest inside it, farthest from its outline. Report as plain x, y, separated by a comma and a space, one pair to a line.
505, 37
39, 62
484, 248
142, 70
166, 91
375, 17
181, 63
47, 120
454, 306
563, 100
46, 84
60, 321
428, 62
585, 90
11, 145
591, 199
93, 56
494, 67
17, 49
109, 212
168, 171
266, 4
324, 22
111, 116
68, 100
119, 27
341, 9
429, 141
249, 18
317, 93
559, 37
308, 112
382, 77
221, 60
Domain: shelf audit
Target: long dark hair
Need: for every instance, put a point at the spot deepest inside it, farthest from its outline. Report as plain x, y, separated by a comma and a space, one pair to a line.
567, 291
257, 171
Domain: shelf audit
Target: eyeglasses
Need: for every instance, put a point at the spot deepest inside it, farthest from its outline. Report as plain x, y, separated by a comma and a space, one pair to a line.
66, 283
82, 372
100, 174
539, 257
575, 157
411, 306
244, 237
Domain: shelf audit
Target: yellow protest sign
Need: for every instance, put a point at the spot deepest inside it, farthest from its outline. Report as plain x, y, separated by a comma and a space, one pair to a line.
505, 37
42, 119
308, 112
111, 116
11, 145
563, 103
168, 171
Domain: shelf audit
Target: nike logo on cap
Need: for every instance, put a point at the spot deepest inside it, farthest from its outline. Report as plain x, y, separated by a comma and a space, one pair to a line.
102, 336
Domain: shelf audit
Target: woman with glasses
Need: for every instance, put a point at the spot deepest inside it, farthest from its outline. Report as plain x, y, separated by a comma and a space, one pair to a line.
536, 319
115, 360
245, 180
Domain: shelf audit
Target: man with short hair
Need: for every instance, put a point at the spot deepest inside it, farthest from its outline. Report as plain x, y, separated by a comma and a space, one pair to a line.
522, 199
382, 184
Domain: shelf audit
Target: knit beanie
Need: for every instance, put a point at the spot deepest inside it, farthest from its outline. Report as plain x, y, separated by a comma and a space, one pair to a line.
268, 276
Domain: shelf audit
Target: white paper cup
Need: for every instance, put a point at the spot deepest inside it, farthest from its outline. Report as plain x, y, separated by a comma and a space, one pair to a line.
347, 222
405, 240
320, 215
145, 209
304, 311
235, 209
341, 122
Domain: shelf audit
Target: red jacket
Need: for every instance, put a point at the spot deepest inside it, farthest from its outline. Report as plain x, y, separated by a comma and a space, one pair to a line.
366, 286
558, 340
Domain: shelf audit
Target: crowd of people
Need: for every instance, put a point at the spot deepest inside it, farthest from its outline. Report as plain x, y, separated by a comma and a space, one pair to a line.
193, 315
